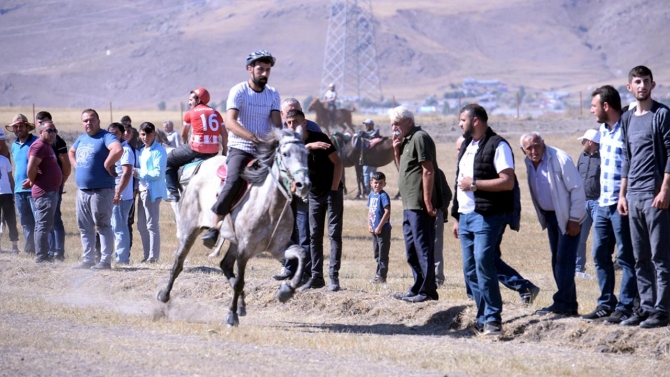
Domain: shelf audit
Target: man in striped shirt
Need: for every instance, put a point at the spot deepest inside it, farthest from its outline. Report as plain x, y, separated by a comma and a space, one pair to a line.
609, 226
253, 108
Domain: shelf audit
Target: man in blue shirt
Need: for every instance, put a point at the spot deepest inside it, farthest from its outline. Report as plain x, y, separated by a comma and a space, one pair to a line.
94, 156
24, 203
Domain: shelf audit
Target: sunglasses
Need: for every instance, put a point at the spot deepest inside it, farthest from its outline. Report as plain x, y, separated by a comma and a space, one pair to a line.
51, 130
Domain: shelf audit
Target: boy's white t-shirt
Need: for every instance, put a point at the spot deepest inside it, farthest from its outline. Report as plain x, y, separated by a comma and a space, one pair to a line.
5, 168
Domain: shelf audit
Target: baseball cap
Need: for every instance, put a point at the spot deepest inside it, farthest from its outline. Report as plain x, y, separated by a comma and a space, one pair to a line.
592, 135
368, 122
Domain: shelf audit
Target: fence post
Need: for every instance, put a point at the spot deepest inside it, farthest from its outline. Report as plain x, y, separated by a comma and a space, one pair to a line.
111, 117
34, 120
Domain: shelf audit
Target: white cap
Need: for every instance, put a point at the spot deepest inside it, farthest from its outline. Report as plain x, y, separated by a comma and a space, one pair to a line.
592, 135
369, 121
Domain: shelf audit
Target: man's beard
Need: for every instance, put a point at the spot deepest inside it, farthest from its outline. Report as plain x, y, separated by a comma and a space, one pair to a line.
260, 81
646, 97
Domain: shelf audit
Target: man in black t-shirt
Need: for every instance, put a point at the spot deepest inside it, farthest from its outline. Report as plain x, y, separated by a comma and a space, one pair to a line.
57, 235
325, 197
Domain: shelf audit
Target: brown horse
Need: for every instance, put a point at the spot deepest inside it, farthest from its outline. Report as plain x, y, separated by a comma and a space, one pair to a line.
355, 151
342, 116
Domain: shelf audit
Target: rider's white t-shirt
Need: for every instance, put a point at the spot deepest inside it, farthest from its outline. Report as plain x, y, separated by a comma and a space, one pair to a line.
503, 160
254, 113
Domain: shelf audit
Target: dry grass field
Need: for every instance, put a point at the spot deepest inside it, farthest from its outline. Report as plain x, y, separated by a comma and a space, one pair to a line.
59, 321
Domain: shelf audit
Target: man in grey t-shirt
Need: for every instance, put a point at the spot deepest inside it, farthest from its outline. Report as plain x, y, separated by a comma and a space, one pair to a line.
645, 196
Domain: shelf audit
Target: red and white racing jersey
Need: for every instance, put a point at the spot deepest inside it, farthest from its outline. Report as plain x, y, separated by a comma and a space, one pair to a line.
206, 126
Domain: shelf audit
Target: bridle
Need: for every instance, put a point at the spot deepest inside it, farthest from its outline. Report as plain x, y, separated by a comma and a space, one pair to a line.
286, 181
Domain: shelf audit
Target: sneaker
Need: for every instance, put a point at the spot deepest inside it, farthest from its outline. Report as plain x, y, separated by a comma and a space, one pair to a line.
655, 320
402, 296
530, 295
635, 320
83, 266
492, 328
102, 266
378, 280
313, 283
334, 285
15, 250
152, 260
210, 238
597, 314
617, 317
59, 257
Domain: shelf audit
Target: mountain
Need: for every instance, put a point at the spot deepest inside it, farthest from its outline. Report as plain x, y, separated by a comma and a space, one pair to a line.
139, 53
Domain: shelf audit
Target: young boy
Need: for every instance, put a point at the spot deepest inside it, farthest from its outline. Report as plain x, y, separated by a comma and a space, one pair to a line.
379, 225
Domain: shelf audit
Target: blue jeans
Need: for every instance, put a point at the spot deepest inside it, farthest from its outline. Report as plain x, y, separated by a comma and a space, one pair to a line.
330, 204
439, 246
650, 236
45, 207
508, 276
121, 231
25, 208
300, 236
57, 235
479, 237
367, 174
563, 256
610, 228
591, 210
419, 232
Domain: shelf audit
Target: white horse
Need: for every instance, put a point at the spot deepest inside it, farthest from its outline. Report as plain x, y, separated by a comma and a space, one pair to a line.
262, 221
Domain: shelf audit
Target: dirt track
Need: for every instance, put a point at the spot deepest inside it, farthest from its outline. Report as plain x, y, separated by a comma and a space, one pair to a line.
55, 320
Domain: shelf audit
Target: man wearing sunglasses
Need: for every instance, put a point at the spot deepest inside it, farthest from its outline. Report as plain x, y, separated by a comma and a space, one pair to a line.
44, 181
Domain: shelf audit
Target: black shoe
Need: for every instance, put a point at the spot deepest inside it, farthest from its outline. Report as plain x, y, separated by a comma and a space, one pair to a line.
284, 275
416, 298
617, 317
83, 266
635, 320
492, 328
172, 197
15, 250
210, 238
552, 310
334, 285
529, 296
598, 314
102, 266
313, 283
43, 260
655, 320
402, 296
439, 283
59, 257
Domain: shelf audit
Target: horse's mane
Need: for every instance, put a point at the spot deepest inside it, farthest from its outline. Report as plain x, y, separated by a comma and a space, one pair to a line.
257, 172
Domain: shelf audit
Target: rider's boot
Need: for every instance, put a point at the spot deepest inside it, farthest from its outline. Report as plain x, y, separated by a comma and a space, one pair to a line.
210, 238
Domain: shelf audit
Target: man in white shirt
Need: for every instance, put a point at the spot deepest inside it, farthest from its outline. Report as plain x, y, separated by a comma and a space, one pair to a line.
173, 137
485, 180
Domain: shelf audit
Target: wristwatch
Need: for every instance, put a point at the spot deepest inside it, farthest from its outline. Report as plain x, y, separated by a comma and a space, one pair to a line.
473, 186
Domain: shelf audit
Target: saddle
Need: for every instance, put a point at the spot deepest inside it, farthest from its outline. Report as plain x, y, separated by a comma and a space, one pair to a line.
222, 173
363, 141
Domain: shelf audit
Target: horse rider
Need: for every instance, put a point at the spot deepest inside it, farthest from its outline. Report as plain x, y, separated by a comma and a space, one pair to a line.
253, 109
208, 132
329, 99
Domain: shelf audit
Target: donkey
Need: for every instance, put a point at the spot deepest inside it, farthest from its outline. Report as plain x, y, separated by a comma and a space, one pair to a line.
261, 221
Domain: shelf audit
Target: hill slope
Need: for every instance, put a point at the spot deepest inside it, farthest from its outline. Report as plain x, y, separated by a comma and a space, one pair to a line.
59, 53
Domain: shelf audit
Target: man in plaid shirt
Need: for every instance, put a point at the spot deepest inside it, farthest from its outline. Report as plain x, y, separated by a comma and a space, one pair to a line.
609, 226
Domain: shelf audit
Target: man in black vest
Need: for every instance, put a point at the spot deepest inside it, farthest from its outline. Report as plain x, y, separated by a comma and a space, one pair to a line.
484, 180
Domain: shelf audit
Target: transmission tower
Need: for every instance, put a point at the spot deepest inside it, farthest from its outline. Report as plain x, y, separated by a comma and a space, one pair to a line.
350, 58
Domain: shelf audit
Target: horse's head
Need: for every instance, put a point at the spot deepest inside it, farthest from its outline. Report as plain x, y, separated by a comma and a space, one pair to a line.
313, 105
291, 157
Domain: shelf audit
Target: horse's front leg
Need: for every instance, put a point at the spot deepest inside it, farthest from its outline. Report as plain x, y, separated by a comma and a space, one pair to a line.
185, 244
286, 290
238, 287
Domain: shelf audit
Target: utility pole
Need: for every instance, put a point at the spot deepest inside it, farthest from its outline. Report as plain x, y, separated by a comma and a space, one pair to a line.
350, 56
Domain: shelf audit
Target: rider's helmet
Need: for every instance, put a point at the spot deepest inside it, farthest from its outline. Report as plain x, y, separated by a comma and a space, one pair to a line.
261, 55
203, 94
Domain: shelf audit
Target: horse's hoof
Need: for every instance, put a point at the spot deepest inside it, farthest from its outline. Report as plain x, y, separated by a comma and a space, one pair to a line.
285, 292
241, 311
232, 320
163, 296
